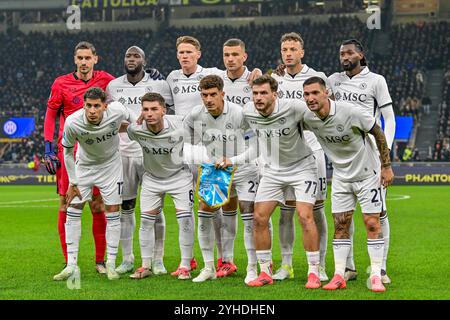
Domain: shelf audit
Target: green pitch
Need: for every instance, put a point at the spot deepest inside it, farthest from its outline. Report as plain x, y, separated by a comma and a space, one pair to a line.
30, 255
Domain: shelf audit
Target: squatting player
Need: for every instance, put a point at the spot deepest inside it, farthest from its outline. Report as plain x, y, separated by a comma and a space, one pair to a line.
98, 163
288, 162
161, 138
219, 126
128, 89
67, 97
369, 91
358, 175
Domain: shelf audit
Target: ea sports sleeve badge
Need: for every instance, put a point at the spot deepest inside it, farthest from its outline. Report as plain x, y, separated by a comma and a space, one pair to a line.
214, 185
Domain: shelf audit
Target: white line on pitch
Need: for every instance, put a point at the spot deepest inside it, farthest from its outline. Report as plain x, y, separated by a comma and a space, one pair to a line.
28, 201
398, 197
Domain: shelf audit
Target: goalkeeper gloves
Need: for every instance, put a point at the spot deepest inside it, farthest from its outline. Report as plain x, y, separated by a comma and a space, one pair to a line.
50, 158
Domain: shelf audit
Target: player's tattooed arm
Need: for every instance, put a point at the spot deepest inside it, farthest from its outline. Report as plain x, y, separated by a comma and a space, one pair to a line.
342, 221
382, 145
387, 175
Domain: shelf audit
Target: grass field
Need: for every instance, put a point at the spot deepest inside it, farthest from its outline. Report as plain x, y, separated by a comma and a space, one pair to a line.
30, 255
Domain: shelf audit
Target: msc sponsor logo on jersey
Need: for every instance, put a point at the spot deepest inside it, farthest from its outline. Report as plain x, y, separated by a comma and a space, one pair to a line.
336, 139
186, 89
162, 151
238, 99
206, 136
351, 96
292, 94
272, 133
102, 138
130, 100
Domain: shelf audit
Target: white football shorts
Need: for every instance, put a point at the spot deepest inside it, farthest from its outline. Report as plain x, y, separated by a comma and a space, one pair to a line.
368, 192
245, 183
179, 187
108, 179
133, 169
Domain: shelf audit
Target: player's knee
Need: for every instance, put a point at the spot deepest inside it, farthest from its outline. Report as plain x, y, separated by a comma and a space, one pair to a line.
128, 204
112, 208
306, 219
246, 206
260, 220
373, 226
97, 205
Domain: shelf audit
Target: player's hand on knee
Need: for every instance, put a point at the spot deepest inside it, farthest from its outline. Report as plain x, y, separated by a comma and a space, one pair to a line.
51, 160
72, 192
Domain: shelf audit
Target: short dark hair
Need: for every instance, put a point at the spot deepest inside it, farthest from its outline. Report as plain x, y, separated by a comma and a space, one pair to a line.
359, 47
292, 36
95, 93
312, 80
265, 78
153, 96
234, 43
211, 81
85, 45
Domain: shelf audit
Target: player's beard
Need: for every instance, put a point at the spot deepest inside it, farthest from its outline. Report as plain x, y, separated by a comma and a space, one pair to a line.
349, 67
134, 71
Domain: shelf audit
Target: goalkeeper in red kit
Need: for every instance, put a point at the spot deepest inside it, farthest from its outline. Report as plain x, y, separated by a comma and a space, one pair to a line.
67, 97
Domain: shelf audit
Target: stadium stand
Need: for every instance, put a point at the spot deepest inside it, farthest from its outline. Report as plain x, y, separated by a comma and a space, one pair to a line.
40, 57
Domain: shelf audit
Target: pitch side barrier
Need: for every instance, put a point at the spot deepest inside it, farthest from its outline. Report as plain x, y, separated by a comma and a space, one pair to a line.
406, 173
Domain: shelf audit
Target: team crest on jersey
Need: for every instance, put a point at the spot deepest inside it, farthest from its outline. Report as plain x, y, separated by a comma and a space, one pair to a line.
200, 77
89, 141
282, 120
338, 96
280, 94
229, 126
147, 150
113, 124
122, 100
176, 90
72, 89
148, 89
171, 140
76, 100
340, 127
363, 86
247, 89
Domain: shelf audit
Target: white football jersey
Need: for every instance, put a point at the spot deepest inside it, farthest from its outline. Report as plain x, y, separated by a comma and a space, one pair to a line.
237, 91
222, 136
367, 90
343, 136
129, 95
291, 87
185, 90
97, 144
163, 151
280, 137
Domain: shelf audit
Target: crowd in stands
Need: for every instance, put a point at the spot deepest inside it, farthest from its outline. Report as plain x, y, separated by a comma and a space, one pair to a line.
39, 58
441, 150
208, 14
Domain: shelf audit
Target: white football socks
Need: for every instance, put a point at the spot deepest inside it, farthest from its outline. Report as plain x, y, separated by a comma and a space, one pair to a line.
73, 234
112, 236
147, 238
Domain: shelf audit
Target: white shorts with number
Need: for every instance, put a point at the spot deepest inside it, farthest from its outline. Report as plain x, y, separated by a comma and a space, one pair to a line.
245, 183
108, 179
133, 169
367, 192
273, 185
321, 178
179, 187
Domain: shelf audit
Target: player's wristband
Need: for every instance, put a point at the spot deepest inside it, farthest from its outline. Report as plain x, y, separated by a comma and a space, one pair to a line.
386, 165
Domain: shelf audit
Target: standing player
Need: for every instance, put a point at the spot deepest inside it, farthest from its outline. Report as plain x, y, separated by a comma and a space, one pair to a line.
161, 138
128, 89
358, 174
217, 124
288, 162
369, 92
184, 84
67, 97
290, 86
98, 163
